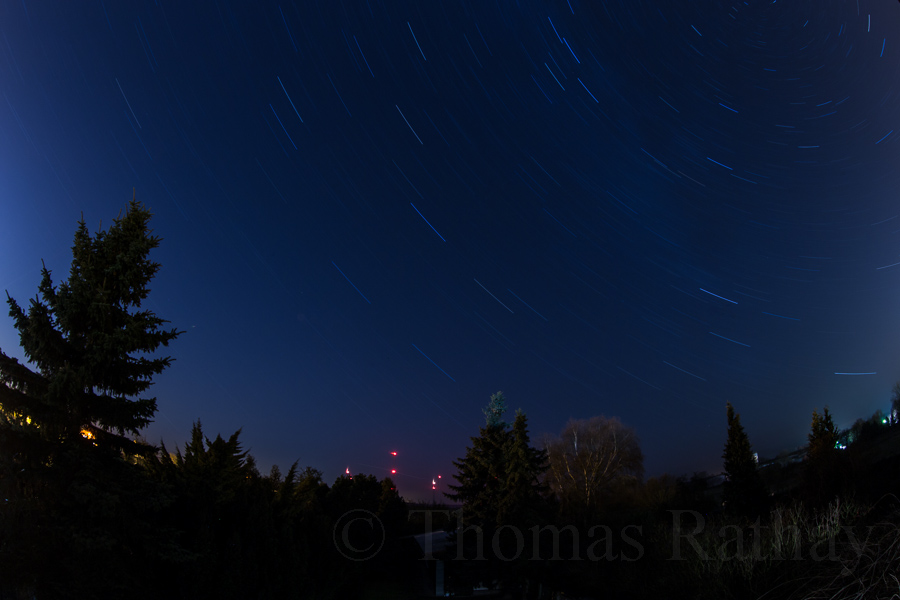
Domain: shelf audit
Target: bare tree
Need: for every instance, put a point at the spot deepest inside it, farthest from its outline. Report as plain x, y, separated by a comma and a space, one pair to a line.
589, 458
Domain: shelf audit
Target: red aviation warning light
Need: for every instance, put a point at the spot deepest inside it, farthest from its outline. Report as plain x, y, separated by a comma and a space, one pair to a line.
393, 471
394, 453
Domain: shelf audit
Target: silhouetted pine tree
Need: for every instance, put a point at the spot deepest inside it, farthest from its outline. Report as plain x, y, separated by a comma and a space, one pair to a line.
85, 339
482, 472
523, 502
69, 417
233, 523
823, 435
499, 486
744, 490
822, 473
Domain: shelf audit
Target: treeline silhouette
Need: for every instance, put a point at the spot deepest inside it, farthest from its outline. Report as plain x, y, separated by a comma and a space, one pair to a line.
821, 522
202, 523
90, 510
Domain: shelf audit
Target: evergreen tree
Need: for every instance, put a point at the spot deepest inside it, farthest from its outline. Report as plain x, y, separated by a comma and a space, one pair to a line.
499, 484
499, 480
482, 473
822, 476
493, 412
524, 504
480, 477
744, 490
523, 500
84, 339
823, 435
226, 514
76, 503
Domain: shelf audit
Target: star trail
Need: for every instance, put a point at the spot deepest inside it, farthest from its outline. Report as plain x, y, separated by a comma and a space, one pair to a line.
636, 209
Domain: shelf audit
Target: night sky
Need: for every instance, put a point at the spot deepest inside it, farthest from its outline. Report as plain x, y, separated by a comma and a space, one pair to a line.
377, 214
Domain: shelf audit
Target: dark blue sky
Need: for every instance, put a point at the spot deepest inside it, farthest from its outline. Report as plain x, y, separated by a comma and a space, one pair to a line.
376, 214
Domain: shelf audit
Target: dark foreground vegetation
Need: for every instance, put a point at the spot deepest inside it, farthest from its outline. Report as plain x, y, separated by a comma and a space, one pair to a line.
90, 510
821, 523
